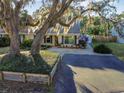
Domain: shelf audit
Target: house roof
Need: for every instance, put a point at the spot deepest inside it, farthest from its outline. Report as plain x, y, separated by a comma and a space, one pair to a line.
73, 29
24, 31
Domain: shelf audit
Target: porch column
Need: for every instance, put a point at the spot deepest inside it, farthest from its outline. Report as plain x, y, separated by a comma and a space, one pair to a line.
75, 38
62, 39
44, 39
53, 40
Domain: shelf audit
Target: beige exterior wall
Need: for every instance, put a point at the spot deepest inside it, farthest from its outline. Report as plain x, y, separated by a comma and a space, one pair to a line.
30, 36
59, 39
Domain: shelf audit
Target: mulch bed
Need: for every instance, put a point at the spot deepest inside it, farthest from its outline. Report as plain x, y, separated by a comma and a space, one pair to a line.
20, 87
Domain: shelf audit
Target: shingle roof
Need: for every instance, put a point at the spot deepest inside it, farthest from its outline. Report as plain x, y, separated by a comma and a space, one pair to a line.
21, 31
74, 29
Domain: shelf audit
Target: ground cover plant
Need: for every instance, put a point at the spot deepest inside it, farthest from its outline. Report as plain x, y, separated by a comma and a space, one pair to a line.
25, 62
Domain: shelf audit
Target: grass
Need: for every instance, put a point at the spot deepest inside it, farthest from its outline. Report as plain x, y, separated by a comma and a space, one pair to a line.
42, 63
4, 50
117, 49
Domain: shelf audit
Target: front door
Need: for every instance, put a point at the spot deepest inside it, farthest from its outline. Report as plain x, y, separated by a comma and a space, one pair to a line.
56, 41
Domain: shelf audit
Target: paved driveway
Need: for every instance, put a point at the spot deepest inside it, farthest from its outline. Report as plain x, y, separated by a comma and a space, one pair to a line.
88, 51
79, 73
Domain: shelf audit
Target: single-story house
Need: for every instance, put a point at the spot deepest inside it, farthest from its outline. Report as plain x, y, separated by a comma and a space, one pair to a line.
22, 35
64, 36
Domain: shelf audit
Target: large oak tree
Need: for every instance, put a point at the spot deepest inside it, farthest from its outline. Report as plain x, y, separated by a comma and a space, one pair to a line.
10, 10
9, 16
11, 21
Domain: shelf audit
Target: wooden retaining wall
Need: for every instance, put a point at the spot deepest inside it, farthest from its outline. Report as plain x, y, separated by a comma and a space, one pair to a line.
29, 77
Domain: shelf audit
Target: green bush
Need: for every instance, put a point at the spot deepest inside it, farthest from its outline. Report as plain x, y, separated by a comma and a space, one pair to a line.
103, 49
43, 47
26, 44
4, 41
96, 30
82, 44
27, 64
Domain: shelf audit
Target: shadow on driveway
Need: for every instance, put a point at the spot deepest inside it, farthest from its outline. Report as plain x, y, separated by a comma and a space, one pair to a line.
73, 74
94, 62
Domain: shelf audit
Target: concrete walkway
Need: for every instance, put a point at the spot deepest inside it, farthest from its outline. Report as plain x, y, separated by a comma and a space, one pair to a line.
87, 51
72, 51
80, 73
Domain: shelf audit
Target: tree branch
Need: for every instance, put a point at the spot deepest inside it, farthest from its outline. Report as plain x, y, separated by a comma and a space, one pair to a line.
18, 6
108, 19
53, 9
1, 10
64, 7
69, 23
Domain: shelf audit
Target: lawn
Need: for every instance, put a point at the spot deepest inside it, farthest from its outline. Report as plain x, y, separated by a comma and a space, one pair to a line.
4, 50
118, 49
42, 63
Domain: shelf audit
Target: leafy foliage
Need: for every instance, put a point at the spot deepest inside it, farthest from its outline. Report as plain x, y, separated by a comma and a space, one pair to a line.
26, 44
96, 30
103, 49
4, 41
29, 64
82, 44
117, 49
43, 47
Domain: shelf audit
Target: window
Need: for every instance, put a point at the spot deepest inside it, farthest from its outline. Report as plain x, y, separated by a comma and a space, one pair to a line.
49, 39
69, 40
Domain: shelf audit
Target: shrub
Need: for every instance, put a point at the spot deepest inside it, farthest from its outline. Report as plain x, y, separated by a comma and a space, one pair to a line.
43, 47
4, 41
102, 49
82, 43
26, 44
23, 63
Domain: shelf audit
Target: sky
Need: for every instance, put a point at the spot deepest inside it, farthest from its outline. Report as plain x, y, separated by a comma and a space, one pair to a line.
31, 8
120, 6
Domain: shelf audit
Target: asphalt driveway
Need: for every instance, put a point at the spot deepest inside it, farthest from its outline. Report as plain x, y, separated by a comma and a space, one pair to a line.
78, 73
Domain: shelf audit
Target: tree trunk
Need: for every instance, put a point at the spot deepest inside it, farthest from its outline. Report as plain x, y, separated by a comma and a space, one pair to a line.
36, 46
12, 30
14, 44
51, 21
